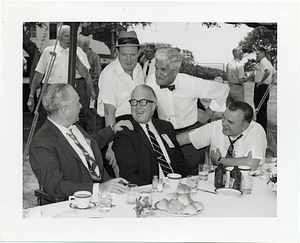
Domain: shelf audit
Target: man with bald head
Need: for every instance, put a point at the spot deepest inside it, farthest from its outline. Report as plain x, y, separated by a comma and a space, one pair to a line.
151, 148
236, 77
59, 74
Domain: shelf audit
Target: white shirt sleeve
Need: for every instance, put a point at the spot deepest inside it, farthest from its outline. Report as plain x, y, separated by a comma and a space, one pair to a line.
202, 136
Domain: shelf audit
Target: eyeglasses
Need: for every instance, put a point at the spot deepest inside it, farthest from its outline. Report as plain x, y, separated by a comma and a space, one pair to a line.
143, 102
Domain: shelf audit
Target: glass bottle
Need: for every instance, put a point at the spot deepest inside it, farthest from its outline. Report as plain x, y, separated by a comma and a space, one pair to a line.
154, 182
160, 185
235, 178
219, 176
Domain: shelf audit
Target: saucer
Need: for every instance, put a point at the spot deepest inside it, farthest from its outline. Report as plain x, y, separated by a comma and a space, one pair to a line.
90, 207
228, 192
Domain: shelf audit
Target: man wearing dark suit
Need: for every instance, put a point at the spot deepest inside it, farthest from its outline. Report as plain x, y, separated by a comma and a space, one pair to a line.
134, 150
58, 161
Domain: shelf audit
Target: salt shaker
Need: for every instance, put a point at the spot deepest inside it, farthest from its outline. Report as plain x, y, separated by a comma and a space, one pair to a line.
160, 185
154, 182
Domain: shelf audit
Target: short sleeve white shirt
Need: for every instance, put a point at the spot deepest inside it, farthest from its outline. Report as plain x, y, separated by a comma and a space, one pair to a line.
115, 87
59, 72
235, 71
262, 67
151, 68
180, 106
253, 139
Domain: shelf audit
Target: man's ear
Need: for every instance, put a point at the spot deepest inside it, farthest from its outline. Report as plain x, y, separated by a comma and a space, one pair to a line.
246, 125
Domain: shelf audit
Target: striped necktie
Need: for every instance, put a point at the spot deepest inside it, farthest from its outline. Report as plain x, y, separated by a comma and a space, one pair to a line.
230, 151
165, 166
90, 160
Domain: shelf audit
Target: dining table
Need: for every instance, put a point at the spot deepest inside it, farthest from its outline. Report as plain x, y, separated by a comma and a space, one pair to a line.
262, 202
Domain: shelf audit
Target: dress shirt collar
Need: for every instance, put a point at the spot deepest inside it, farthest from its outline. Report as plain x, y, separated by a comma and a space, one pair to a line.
64, 130
120, 70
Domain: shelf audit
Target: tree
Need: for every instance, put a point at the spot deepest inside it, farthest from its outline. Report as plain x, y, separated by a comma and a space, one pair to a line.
263, 37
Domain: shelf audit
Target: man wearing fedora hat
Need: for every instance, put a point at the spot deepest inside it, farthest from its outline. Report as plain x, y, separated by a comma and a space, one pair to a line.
116, 82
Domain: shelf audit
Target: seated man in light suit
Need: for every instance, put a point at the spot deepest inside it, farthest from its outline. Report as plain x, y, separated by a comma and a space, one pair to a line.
137, 153
64, 157
234, 140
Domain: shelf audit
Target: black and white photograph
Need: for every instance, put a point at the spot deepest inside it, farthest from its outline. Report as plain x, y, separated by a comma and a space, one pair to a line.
149, 121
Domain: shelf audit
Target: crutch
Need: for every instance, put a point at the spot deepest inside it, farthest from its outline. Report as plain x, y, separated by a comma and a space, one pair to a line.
36, 113
263, 98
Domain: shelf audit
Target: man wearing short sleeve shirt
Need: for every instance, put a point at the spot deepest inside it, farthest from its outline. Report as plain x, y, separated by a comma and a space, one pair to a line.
116, 82
264, 76
177, 96
248, 137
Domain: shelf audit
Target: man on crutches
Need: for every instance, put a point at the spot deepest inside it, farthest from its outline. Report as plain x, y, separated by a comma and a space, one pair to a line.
265, 76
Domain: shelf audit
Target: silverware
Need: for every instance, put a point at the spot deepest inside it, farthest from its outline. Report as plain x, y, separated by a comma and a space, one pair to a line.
206, 191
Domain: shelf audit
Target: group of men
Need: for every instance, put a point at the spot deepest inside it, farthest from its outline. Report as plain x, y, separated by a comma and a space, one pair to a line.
65, 158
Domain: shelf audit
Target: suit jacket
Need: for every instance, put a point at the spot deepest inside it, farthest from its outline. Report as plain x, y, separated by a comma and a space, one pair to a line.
136, 158
56, 164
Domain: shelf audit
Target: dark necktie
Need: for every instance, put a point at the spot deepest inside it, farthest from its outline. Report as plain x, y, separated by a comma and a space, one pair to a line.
90, 160
170, 87
148, 67
230, 151
165, 166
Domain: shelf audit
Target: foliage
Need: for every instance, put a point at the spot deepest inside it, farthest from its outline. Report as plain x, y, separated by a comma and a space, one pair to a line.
261, 37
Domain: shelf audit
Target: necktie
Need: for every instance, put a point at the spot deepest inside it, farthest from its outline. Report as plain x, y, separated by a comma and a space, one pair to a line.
148, 67
170, 87
165, 166
230, 151
90, 160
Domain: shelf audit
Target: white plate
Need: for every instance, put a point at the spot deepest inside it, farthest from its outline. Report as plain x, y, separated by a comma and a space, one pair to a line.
176, 214
228, 192
91, 207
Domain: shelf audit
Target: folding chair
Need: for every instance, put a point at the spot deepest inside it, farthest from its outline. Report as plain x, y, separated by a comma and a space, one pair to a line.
43, 197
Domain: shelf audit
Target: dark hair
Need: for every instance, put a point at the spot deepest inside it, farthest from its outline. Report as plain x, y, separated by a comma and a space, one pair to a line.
262, 49
244, 107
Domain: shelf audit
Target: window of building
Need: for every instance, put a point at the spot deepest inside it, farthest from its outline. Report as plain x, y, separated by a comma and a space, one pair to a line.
53, 31
32, 31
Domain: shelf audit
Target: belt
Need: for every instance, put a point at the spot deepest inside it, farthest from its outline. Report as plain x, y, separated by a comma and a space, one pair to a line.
184, 128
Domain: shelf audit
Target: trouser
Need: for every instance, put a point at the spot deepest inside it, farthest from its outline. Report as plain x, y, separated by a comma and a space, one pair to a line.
193, 156
261, 116
236, 93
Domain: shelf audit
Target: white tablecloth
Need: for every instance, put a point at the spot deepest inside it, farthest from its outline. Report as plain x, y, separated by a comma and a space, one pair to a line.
261, 203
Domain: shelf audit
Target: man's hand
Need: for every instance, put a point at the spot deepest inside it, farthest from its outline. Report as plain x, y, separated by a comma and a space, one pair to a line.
116, 185
110, 156
214, 156
119, 126
30, 104
204, 116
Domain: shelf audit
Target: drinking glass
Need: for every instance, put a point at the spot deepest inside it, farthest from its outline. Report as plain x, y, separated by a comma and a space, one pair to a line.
105, 200
132, 190
203, 172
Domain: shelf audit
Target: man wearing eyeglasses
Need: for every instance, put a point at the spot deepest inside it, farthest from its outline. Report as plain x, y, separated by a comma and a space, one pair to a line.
151, 148
234, 140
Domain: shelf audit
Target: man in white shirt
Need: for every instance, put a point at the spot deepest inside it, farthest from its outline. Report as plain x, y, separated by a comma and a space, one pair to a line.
116, 82
149, 66
63, 156
59, 74
234, 140
265, 75
236, 77
177, 96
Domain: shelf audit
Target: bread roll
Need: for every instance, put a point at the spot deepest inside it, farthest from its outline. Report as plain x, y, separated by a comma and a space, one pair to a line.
162, 204
172, 195
183, 189
189, 209
174, 206
185, 199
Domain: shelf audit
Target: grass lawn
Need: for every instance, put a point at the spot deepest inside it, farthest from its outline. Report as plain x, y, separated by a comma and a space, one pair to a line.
30, 182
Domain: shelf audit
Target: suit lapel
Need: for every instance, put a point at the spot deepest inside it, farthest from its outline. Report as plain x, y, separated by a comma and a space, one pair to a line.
160, 130
140, 132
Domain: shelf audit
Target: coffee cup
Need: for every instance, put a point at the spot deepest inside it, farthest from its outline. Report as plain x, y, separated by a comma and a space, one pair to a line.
173, 179
82, 199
